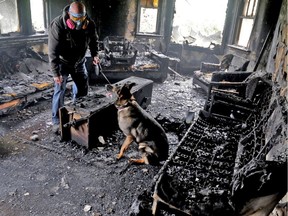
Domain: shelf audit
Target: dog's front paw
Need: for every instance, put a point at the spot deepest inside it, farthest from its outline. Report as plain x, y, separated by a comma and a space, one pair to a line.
137, 161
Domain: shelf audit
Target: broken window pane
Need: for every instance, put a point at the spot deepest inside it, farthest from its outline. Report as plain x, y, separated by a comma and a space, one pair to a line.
148, 20
199, 23
37, 15
9, 21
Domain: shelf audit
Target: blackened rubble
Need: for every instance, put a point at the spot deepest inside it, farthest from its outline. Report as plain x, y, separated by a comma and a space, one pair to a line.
50, 177
25, 75
72, 177
25, 78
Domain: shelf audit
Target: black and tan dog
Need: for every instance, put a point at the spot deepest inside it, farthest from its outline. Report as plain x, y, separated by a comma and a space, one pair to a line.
140, 127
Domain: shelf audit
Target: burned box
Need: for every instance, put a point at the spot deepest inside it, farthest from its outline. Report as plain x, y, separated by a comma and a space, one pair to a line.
96, 114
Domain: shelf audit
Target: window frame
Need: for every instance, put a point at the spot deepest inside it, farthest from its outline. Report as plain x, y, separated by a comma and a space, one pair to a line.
17, 19
43, 17
158, 21
25, 28
242, 15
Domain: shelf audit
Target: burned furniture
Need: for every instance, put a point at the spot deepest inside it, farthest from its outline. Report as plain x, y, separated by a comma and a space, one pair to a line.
119, 51
218, 160
208, 72
96, 115
196, 180
121, 59
230, 89
207, 80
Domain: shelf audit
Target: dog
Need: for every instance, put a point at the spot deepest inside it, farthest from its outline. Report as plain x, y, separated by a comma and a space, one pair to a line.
138, 126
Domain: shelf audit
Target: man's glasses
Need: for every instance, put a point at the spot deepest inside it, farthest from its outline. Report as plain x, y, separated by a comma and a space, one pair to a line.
77, 17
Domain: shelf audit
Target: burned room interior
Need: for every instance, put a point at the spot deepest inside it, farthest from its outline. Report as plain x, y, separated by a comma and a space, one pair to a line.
213, 74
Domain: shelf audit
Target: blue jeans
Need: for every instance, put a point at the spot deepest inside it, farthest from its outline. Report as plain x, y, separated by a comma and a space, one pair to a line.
80, 87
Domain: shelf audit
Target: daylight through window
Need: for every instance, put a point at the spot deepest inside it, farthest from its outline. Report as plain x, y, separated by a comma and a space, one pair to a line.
9, 21
246, 21
149, 12
37, 15
199, 23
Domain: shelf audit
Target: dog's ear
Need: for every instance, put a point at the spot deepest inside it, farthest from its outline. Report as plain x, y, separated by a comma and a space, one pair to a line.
112, 88
109, 87
130, 85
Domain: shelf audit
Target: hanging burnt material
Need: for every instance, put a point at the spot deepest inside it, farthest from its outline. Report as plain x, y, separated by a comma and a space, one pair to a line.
258, 186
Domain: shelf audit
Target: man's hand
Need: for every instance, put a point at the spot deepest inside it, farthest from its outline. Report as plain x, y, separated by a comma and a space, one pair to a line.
58, 79
96, 60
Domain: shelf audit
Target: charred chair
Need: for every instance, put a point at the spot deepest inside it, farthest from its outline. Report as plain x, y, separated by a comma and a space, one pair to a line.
231, 64
230, 95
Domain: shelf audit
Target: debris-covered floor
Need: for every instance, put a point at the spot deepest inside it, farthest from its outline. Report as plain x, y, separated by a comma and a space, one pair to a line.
40, 175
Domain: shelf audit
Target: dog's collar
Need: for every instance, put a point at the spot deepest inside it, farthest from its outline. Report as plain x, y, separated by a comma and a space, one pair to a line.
125, 105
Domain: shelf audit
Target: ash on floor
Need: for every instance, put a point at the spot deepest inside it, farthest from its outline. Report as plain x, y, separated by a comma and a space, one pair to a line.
45, 176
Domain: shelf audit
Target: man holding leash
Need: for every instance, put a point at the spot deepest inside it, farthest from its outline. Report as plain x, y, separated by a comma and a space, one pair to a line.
69, 37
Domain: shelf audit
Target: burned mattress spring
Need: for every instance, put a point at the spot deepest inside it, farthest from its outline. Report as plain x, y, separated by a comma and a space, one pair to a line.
253, 139
198, 175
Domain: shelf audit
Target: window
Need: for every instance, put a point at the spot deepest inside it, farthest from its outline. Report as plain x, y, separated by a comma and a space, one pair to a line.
245, 22
37, 15
16, 17
9, 21
149, 15
199, 23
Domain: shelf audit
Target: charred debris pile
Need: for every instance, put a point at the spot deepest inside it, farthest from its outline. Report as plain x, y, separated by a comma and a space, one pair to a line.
25, 75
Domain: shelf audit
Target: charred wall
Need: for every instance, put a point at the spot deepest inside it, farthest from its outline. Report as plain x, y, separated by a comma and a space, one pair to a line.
119, 18
110, 16
262, 32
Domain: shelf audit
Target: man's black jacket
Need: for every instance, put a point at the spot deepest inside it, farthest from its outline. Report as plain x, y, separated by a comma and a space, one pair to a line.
70, 46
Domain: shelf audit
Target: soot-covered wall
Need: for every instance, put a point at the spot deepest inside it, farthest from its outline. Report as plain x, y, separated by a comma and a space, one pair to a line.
109, 15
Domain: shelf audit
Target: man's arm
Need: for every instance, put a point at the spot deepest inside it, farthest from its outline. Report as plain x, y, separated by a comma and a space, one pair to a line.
54, 47
93, 44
